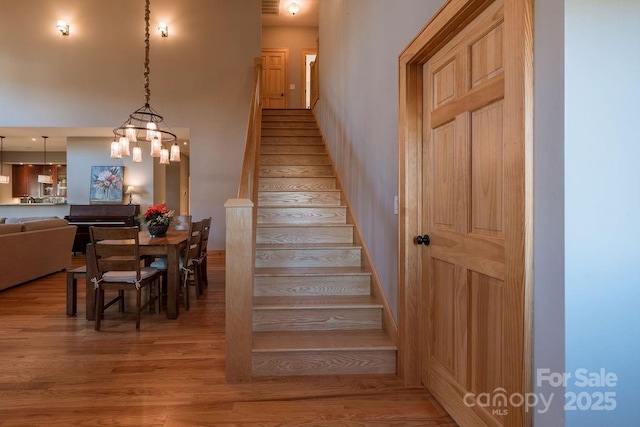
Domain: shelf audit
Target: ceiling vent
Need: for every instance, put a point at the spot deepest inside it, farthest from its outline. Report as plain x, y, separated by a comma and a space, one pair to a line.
270, 7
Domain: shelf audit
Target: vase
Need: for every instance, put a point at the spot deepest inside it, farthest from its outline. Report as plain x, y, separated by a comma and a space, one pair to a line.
158, 230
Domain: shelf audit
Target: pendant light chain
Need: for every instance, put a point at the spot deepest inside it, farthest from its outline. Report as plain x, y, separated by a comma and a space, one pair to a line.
147, 69
145, 124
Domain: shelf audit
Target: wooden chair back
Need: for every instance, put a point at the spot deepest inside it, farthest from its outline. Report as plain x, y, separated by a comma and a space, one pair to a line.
204, 242
115, 249
192, 250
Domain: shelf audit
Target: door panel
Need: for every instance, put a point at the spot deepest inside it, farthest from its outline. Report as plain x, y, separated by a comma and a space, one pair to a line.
464, 214
274, 78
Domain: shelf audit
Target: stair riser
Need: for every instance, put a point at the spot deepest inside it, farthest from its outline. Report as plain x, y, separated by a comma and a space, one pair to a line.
311, 285
295, 171
288, 124
285, 215
297, 184
291, 149
287, 198
285, 112
290, 132
342, 362
295, 159
310, 319
351, 257
291, 140
288, 235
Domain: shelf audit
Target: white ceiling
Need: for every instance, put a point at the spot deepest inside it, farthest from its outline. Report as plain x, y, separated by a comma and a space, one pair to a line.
30, 139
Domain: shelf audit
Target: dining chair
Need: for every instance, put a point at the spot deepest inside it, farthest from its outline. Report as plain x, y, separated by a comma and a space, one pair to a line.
117, 261
189, 265
189, 271
202, 258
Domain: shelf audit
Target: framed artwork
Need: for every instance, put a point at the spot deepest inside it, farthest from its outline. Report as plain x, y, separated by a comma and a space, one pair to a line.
106, 185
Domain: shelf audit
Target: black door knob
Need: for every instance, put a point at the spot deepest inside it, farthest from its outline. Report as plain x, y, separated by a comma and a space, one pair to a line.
423, 240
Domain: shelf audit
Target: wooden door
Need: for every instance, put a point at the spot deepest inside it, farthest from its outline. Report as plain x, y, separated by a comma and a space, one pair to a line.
466, 116
274, 78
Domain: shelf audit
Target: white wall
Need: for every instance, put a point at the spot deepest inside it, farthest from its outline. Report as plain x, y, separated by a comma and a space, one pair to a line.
201, 77
360, 41
602, 203
548, 328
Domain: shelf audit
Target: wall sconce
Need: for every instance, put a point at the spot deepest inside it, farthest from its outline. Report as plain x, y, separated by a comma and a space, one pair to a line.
164, 29
293, 8
130, 190
63, 27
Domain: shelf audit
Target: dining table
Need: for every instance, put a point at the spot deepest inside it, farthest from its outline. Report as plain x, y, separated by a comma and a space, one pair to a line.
169, 246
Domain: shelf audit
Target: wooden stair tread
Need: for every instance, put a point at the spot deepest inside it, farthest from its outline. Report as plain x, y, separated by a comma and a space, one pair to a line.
305, 225
306, 246
322, 340
311, 271
317, 302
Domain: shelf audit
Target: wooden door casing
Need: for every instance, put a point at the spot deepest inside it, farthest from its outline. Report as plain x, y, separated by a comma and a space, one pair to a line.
466, 138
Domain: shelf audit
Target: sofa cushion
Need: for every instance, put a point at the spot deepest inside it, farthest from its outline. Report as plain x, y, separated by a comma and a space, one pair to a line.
10, 228
44, 224
23, 219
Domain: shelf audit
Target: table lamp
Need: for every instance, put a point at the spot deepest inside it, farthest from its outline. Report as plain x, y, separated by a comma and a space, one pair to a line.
130, 190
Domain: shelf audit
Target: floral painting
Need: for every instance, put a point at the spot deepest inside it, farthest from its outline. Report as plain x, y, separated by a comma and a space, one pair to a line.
106, 184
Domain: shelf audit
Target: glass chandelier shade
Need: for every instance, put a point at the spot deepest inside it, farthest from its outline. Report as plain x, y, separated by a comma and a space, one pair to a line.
4, 179
144, 123
175, 152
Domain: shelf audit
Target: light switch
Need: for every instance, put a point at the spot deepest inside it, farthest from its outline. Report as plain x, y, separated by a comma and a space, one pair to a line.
292, 86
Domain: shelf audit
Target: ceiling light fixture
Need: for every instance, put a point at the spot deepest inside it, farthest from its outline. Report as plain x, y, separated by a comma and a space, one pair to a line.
45, 179
293, 8
145, 123
4, 179
63, 27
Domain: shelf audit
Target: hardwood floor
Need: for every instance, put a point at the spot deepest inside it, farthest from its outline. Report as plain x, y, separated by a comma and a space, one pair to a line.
57, 371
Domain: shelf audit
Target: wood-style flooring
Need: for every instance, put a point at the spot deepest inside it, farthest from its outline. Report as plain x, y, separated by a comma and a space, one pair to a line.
57, 371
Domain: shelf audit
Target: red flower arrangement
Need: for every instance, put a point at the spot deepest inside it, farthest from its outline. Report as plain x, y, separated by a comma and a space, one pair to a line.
157, 215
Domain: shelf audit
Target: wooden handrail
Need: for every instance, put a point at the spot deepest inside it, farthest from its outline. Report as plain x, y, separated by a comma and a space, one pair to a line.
240, 247
248, 178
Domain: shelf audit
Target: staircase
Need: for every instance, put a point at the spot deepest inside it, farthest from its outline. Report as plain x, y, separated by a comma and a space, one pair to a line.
315, 311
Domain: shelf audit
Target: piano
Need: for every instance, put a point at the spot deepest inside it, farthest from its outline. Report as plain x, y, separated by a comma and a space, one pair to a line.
84, 216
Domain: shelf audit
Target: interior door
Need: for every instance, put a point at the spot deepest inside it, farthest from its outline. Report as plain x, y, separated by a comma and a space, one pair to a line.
274, 78
468, 307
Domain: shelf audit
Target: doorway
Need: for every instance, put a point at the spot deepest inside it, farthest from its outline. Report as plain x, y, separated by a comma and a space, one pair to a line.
308, 58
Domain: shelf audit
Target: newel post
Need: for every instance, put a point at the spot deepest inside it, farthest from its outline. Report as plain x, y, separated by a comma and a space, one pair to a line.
240, 264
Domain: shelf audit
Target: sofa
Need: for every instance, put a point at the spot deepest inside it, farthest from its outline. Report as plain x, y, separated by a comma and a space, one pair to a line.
32, 247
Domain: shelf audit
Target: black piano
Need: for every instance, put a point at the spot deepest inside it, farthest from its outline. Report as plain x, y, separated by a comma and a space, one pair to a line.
84, 216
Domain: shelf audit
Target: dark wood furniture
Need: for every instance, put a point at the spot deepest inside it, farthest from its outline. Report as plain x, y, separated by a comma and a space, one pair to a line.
72, 288
170, 246
116, 260
84, 216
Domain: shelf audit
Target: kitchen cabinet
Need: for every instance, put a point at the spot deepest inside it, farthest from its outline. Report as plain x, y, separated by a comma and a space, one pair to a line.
25, 181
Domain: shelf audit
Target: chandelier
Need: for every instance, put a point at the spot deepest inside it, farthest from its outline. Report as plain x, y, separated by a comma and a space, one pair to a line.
145, 124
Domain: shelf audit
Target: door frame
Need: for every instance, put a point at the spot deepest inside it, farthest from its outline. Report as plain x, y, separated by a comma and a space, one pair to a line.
303, 55
518, 57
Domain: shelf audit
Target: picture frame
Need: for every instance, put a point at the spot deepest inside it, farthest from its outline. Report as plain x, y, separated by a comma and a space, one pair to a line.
106, 186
